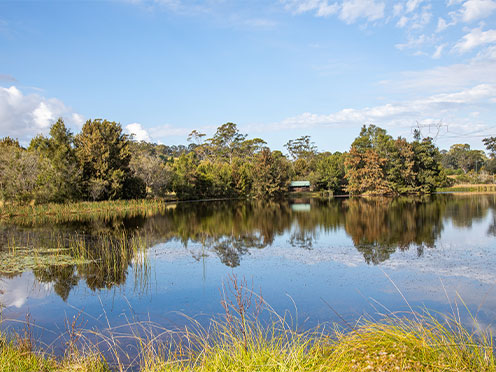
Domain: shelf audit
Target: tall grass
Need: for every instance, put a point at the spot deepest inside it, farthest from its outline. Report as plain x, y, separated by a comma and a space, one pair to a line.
239, 341
31, 215
394, 344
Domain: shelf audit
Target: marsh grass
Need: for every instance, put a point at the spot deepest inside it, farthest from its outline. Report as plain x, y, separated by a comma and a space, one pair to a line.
406, 343
240, 341
32, 215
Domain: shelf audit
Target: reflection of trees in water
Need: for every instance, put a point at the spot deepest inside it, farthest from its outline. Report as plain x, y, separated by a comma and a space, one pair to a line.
378, 226
229, 230
466, 210
64, 278
492, 227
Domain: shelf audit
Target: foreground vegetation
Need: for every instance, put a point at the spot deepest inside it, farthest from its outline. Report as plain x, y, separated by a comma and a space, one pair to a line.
237, 344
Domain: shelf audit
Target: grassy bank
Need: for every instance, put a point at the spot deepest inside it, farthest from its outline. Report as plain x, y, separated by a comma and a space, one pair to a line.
78, 211
394, 344
469, 188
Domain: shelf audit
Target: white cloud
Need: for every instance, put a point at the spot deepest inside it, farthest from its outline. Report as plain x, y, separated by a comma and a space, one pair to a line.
322, 8
441, 25
475, 38
479, 70
397, 9
137, 131
473, 10
16, 291
353, 9
78, 119
164, 131
439, 50
402, 22
422, 19
349, 10
451, 106
411, 5
24, 116
414, 43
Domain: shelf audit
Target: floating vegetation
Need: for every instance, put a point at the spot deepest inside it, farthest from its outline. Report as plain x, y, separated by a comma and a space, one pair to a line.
20, 259
102, 259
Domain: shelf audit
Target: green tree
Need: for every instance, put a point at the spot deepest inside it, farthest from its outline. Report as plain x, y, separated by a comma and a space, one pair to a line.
461, 156
490, 144
400, 170
64, 178
226, 142
103, 154
184, 181
329, 172
22, 173
301, 148
271, 178
428, 170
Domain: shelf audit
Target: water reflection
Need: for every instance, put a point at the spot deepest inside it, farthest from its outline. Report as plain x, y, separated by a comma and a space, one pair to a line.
115, 248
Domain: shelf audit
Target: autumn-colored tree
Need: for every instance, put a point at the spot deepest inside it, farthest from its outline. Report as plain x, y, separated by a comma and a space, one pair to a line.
365, 173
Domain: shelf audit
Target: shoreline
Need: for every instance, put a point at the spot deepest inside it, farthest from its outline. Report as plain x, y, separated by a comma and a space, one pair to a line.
418, 342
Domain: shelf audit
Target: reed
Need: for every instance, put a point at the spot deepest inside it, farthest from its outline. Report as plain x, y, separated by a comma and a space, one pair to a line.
394, 344
31, 215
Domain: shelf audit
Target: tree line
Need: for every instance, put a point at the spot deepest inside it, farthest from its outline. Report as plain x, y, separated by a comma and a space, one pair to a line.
103, 163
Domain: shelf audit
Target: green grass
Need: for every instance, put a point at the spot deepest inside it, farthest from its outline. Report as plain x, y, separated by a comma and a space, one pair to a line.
468, 188
394, 344
18, 355
30, 215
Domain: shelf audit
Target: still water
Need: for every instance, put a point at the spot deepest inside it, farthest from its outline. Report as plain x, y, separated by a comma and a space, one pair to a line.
361, 256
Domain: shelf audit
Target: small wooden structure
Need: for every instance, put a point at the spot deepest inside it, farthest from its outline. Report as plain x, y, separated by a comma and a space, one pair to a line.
300, 186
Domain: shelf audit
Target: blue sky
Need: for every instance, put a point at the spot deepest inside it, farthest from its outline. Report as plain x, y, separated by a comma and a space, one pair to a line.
278, 68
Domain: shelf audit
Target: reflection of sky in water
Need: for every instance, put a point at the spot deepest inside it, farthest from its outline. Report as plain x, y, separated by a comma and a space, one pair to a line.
187, 280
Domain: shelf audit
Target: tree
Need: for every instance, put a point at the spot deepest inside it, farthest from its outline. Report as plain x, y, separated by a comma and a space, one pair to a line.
22, 173
461, 156
271, 178
400, 172
58, 149
428, 170
490, 144
301, 148
184, 179
153, 171
379, 164
365, 172
103, 154
329, 171
226, 141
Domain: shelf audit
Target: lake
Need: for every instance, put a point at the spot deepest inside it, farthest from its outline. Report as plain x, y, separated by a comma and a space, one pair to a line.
319, 260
